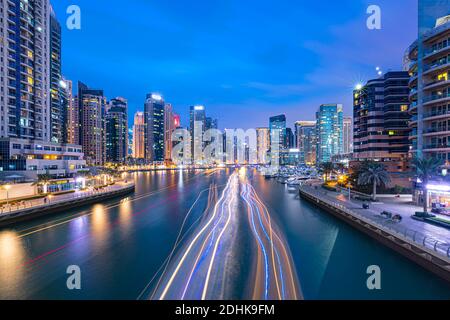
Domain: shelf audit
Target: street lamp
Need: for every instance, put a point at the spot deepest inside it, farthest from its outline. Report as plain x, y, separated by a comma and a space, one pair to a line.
7, 187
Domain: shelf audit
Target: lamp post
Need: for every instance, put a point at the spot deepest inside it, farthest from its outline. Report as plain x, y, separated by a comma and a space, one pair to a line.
7, 187
349, 192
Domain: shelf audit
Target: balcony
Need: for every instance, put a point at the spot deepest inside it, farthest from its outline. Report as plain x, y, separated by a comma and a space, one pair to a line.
436, 67
436, 146
436, 98
433, 52
412, 134
412, 94
436, 84
436, 131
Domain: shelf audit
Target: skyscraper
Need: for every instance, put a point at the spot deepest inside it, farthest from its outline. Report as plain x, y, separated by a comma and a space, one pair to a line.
306, 141
278, 124
381, 121
348, 135
154, 127
116, 130
73, 113
262, 145
171, 122
58, 103
139, 136
329, 128
32, 125
92, 105
25, 65
211, 123
289, 139
428, 65
197, 128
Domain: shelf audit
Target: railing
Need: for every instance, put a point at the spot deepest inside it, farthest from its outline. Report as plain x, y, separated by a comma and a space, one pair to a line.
437, 146
436, 65
436, 130
42, 203
434, 82
418, 238
436, 97
436, 114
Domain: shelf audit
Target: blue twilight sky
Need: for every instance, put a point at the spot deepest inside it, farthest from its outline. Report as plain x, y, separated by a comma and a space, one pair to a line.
245, 60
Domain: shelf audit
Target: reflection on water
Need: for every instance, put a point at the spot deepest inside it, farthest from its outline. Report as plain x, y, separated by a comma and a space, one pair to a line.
12, 255
125, 215
121, 244
100, 224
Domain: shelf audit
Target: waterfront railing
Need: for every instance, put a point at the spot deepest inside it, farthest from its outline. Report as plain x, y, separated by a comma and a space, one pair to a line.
418, 238
42, 203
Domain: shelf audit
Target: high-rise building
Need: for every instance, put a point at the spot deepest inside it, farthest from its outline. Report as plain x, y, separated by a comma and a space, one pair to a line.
278, 124
381, 123
211, 123
73, 113
348, 135
58, 102
171, 123
154, 127
306, 141
289, 139
329, 128
139, 136
197, 128
429, 68
25, 70
116, 130
262, 145
32, 99
130, 142
92, 106
176, 121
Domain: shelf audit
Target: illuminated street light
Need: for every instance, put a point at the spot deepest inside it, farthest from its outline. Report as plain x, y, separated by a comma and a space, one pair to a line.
7, 187
82, 181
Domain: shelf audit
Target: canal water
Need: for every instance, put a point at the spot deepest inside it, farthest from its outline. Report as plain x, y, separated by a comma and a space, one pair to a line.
121, 245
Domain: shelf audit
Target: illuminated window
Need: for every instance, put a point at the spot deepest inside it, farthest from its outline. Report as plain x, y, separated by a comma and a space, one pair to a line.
404, 107
392, 133
443, 76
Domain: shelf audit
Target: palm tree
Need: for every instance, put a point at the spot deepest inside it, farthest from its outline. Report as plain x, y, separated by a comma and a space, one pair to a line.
43, 180
327, 169
373, 173
425, 169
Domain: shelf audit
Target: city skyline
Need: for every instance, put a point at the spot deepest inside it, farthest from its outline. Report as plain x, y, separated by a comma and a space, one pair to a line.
225, 151
277, 81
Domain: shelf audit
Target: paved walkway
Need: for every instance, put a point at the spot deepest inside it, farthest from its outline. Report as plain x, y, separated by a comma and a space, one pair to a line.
421, 232
28, 204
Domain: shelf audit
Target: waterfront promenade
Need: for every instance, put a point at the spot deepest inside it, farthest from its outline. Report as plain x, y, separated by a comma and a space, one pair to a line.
37, 207
429, 236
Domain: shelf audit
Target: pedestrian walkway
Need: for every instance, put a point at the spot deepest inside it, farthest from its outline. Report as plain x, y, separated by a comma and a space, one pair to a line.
428, 235
54, 199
